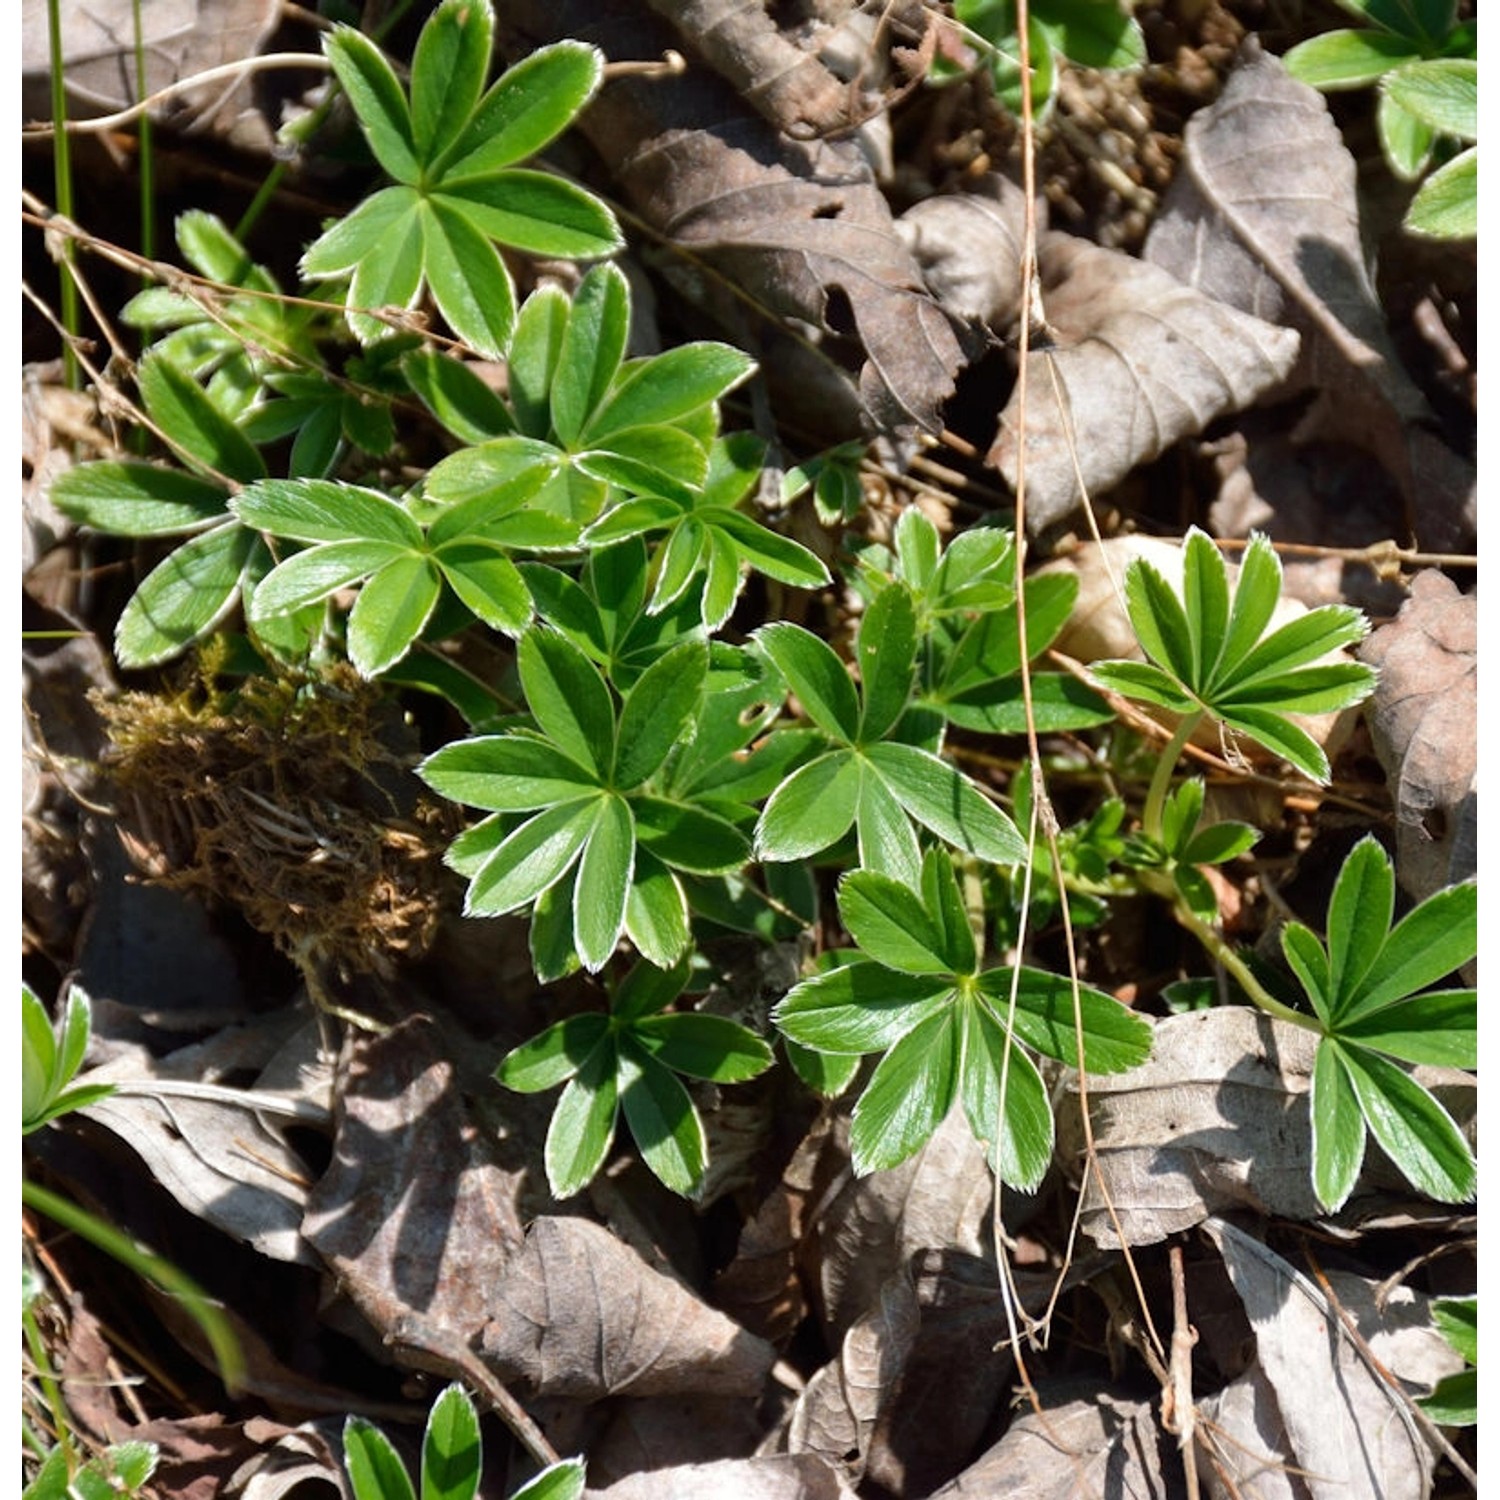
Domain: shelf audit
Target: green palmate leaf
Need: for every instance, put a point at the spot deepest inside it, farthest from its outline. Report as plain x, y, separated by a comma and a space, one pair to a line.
374, 1467
949, 804
376, 94
488, 583
1205, 595
568, 698
1446, 206
1415, 1130
537, 855
535, 212
647, 990
1431, 941
390, 277
1114, 1038
320, 510
886, 651
860, 1007
1359, 917
944, 903
362, 233
669, 386
528, 107
552, 1056
1256, 592
1094, 33
1404, 140
469, 281
1141, 680
889, 922
908, 1095
887, 840
1308, 960
813, 808
1301, 641
447, 74
1347, 59
721, 583
456, 396
815, 674
1338, 1128
651, 460
656, 912
1440, 1027
193, 424
1005, 1101
1220, 842
451, 1451
701, 1046
390, 613
184, 597
918, 547
310, 577
776, 556
1457, 1319
1266, 727
583, 1124
1180, 815
541, 327
825, 1074
681, 560
659, 711
505, 773
603, 883
559, 1481
1442, 92
662, 1119
632, 518
689, 837
591, 350
1160, 623
1307, 690
136, 499
1058, 702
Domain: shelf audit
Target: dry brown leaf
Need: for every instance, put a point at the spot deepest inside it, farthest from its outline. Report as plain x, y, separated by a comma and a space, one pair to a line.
938, 1199
309, 1455
1264, 215
227, 1159
836, 1414
580, 1315
416, 1215
663, 1432
1424, 721
797, 229
1216, 1118
794, 1476
1140, 360
1083, 1444
180, 38
1323, 1409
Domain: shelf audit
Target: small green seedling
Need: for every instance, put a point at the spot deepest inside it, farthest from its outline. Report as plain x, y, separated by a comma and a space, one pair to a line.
452, 1459
1365, 986
629, 1061
866, 777
121, 1471
915, 990
451, 149
50, 1060
1425, 63
1455, 1398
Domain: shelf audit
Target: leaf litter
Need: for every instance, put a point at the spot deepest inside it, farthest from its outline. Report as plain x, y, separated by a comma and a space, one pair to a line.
859, 1322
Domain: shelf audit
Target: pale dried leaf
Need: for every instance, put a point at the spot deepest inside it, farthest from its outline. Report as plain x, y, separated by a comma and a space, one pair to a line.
664, 1432
1345, 1428
799, 230
180, 38
796, 1476
417, 1216
1215, 1119
1424, 722
938, 1199
1139, 360
227, 1159
1082, 1444
308, 1455
1264, 215
836, 1414
578, 1314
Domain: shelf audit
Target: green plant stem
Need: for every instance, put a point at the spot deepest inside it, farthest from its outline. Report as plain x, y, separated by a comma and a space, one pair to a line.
1161, 778
50, 1388
63, 173
144, 137
144, 1263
